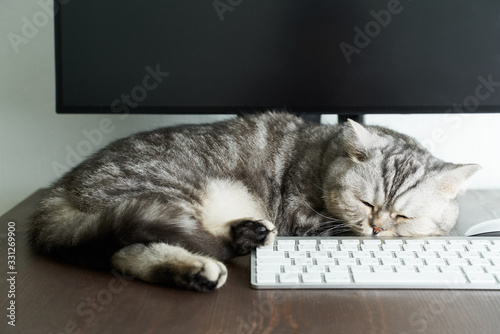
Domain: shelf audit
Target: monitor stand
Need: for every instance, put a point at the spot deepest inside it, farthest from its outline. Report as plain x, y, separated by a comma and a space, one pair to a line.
342, 118
316, 118
355, 117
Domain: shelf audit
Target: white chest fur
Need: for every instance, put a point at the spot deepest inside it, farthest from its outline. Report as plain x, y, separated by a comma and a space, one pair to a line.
226, 201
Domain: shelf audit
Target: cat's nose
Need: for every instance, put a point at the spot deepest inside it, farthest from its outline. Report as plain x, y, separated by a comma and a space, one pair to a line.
377, 229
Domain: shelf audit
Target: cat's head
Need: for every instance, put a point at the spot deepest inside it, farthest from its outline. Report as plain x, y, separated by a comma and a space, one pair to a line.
387, 184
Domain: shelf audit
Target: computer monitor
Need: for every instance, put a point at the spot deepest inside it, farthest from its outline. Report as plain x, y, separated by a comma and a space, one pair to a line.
346, 57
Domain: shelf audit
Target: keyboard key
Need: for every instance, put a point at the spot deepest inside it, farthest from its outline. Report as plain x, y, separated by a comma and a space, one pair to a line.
407, 254
329, 242
340, 268
491, 255
405, 269
412, 247
293, 269
449, 254
481, 278
266, 278
477, 247
285, 242
327, 261
315, 269
286, 247
307, 247
436, 242
350, 241
473, 269
271, 260
318, 254
388, 279
481, 262
454, 247
413, 262
470, 255
303, 261
494, 247
289, 278
450, 269
457, 262
360, 269
383, 255
393, 242
337, 277
370, 247
327, 247
435, 262
434, 247
347, 261
369, 261
268, 253
385, 269
340, 254
307, 242
391, 261
361, 254
492, 269
311, 277
427, 269
372, 242
479, 242
268, 268
391, 247
297, 254
427, 255
415, 241
349, 247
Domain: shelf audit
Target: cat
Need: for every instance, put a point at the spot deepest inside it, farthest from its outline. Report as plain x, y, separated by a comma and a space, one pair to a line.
169, 206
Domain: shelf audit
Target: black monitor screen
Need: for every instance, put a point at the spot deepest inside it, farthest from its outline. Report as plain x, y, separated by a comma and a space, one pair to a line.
334, 56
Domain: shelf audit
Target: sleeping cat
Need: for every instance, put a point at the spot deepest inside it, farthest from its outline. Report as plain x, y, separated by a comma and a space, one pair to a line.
169, 206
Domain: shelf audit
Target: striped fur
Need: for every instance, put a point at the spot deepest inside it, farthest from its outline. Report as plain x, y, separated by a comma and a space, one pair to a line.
167, 206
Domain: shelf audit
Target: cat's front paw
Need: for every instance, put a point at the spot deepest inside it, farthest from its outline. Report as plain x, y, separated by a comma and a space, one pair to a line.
250, 233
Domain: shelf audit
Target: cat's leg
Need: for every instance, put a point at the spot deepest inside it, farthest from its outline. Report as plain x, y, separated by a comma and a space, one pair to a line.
170, 265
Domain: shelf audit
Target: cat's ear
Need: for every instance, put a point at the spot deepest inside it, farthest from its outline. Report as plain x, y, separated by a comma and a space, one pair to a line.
357, 140
451, 181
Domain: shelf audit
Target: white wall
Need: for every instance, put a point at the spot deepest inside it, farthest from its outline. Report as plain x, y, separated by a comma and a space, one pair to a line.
36, 144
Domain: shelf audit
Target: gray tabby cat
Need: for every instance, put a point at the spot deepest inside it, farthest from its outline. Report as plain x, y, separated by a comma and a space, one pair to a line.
167, 206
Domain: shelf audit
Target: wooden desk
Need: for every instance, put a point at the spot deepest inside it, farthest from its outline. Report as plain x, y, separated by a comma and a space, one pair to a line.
56, 298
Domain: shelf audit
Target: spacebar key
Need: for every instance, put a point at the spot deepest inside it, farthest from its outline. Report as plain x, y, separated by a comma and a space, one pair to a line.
407, 277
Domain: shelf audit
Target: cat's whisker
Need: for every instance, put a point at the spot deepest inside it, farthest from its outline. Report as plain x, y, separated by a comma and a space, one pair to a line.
323, 190
336, 226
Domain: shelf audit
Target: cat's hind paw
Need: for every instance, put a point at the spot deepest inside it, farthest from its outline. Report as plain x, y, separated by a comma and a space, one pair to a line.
202, 274
250, 233
205, 275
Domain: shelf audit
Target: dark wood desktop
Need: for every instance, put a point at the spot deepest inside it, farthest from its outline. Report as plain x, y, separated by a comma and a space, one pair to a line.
52, 297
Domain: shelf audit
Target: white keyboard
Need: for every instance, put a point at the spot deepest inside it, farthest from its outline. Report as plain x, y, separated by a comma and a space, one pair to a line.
386, 263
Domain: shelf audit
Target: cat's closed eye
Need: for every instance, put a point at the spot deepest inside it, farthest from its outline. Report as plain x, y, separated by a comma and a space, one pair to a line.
368, 205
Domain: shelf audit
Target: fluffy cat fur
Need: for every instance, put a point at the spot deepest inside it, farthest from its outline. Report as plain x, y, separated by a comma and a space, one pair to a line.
170, 205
